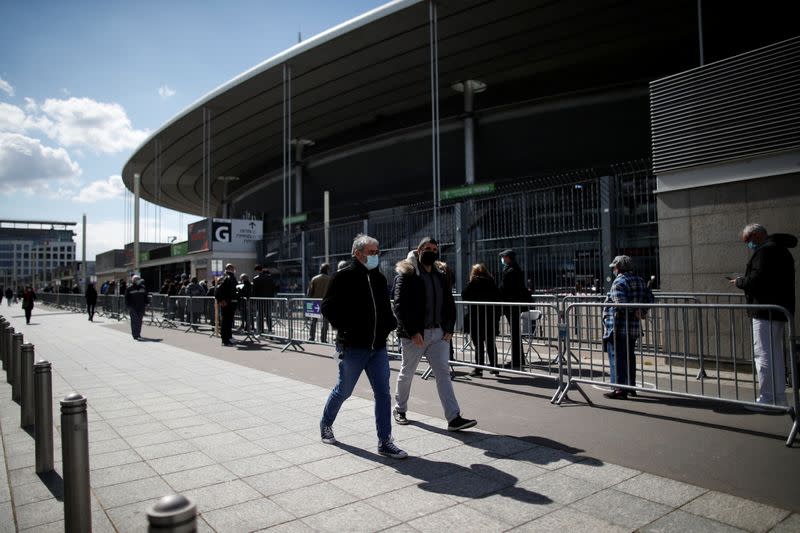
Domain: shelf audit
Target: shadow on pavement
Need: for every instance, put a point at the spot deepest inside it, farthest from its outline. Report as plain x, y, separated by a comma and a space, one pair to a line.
54, 483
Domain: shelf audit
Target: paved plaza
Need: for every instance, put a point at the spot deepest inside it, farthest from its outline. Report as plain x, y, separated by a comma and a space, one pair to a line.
244, 444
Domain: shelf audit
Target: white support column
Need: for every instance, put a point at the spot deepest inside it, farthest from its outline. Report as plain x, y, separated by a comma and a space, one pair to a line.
136, 191
85, 268
326, 215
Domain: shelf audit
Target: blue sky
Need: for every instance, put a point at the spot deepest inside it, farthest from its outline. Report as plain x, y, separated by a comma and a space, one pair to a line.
83, 83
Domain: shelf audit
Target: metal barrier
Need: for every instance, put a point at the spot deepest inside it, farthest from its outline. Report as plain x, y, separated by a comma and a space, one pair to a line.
270, 318
671, 348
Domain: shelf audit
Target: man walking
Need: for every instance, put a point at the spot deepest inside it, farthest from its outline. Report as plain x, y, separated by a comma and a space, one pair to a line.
621, 325
226, 299
91, 300
426, 315
357, 305
512, 289
136, 301
317, 289
769, 280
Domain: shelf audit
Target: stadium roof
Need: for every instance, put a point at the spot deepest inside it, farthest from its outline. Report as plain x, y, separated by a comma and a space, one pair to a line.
370, 76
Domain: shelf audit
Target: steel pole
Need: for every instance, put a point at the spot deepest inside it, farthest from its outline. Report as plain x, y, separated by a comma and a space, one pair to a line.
9, 361
3, 326
75, 455
16, 359
137, 179
172, 514
26, 388
43, 416
85, 272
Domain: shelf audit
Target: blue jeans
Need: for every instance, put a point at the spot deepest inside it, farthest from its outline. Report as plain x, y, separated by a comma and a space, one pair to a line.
351, 363
622, 359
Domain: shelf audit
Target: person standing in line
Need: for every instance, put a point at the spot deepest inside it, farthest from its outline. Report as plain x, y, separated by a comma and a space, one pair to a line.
9, 295
426, 315
622, 328
769, 280
28, 296
264, 287
512, 289
357, 305
227, 301
136, 302
317, 289
196, 302
244, 291
482, 322
91, 300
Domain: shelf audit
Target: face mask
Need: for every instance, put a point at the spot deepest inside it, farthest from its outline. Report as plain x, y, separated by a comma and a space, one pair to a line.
372, 261
502, 263
428, 257
752, 245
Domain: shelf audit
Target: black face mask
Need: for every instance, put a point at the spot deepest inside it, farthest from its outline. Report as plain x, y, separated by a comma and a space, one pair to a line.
428, 257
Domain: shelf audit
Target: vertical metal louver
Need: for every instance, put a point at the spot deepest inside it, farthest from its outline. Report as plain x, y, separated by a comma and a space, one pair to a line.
742, 107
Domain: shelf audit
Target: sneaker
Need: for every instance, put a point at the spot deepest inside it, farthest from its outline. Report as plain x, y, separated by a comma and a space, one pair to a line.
389, 449
477, 373
616, 394
326, 432
400, 418
459, 423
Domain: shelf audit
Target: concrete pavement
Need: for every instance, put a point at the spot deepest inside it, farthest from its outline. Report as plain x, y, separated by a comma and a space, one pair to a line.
244, 444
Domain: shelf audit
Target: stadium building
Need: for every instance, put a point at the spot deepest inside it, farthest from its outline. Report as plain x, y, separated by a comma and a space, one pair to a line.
569, 131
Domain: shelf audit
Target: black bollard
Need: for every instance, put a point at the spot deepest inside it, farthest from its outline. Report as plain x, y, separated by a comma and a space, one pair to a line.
16, 365
3, 325
26, 386
172, 514
75, 455
43, 416
9, 331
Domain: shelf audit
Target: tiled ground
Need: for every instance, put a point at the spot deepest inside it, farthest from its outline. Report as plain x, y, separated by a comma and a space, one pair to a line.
244, 445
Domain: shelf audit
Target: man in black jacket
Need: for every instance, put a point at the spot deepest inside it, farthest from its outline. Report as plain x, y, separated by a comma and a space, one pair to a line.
357, 305
136, 301
769, 280
227, 300
426, 316
263, 287
512, 289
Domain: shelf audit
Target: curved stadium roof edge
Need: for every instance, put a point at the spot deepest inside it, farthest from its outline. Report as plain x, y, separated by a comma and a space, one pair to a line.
281, 57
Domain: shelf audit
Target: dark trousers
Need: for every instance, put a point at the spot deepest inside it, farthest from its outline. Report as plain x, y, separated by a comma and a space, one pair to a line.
90, 310
312, 332
483, 341
227, 313
136, 321
28, 315
512, 315
264, 312
622, 359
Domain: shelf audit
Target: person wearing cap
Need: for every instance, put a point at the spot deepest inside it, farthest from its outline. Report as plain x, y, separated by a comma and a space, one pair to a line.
227, 301
513, 289
621, 328
136, 301
426, 316
317, 289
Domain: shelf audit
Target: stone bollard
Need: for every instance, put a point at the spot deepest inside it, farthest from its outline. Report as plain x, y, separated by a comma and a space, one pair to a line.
16, 365
43, 416
172, 514
26, 386
9, 331
75, 455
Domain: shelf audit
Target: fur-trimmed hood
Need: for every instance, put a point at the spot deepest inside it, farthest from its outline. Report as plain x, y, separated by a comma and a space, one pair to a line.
409, 265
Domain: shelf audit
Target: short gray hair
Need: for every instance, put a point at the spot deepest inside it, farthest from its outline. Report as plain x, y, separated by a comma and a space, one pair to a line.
361, 241
752, 229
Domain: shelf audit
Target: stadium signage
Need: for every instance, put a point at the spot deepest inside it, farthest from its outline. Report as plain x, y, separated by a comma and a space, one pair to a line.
295, 219
467, 190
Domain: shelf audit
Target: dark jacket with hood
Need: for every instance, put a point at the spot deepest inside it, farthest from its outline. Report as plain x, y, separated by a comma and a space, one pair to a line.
91, 295
357, 306
226, 289
410, 298
512, 284
480, 318
136, 296
769, 278
263, 285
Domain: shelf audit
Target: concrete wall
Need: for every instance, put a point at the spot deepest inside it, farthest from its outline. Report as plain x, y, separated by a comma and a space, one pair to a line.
699, 229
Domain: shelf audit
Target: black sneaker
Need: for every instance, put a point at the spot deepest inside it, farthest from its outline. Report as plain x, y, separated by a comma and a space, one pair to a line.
459, 423
400, 418
389, 449
326, 432
476, 373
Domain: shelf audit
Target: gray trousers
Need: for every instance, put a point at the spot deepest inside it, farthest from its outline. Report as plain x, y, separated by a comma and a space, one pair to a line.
437, 351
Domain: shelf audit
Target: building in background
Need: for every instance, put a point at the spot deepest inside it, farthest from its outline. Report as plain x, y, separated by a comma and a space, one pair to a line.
35, 251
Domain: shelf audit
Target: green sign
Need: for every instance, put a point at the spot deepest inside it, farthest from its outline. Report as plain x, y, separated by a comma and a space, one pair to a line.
179, 248
467, 190
144, 256
296, 219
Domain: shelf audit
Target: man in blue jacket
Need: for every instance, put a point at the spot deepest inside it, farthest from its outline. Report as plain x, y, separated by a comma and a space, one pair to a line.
357, 306
136, 301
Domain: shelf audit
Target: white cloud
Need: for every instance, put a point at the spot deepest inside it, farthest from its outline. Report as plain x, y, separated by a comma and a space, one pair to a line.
14, 120
165, 91
27, 165
101, 190
6, 87
98, 126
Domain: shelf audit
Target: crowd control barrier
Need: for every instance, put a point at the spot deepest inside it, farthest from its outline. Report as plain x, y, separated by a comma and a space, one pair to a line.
675, 340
